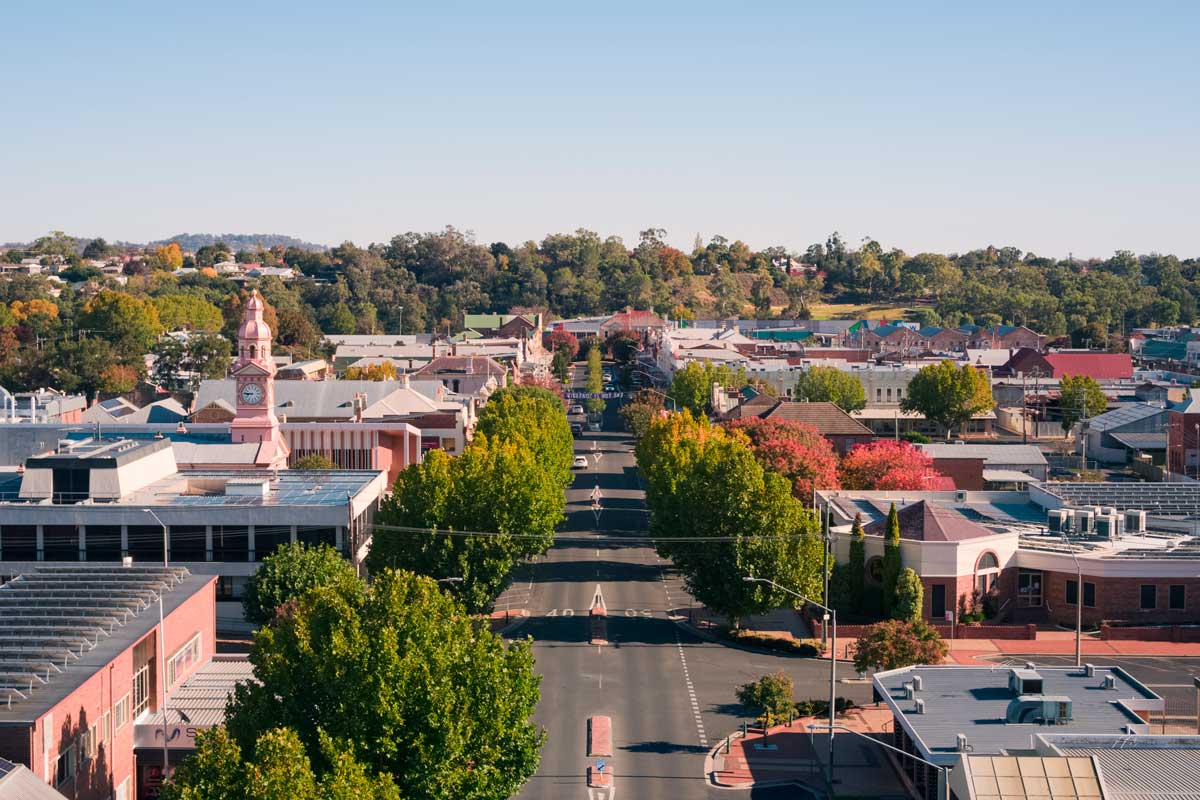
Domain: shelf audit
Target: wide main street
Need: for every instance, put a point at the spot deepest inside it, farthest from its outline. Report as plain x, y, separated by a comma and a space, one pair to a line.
670, 694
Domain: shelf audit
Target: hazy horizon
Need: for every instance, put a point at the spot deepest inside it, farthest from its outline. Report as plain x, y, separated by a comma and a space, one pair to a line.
931, 128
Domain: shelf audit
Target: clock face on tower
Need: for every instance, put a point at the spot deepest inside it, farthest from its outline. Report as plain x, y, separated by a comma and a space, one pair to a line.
252, 394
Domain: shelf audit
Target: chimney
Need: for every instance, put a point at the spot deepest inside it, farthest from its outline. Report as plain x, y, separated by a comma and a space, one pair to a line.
404, 380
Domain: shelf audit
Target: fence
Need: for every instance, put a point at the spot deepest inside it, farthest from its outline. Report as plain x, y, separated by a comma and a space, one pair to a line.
1021, 632
1179, 717
1161, 633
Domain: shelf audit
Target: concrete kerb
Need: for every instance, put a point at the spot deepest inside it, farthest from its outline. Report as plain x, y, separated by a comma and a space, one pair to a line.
710, 774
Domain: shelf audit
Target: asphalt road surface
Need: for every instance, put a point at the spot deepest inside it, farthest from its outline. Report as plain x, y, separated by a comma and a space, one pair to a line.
669, 694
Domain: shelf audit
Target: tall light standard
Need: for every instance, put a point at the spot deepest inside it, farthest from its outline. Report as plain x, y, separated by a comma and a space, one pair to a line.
162, 644
830, 618
1078, 608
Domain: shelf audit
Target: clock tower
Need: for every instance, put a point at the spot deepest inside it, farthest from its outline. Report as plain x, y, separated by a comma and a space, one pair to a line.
254, 378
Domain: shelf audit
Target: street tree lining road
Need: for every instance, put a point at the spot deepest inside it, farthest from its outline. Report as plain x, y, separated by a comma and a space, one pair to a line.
648, 675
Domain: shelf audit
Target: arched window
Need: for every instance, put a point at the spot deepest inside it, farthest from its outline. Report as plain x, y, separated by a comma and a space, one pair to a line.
988, 561
253, 350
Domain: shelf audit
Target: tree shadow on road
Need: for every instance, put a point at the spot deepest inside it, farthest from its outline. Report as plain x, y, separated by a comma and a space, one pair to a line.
585, 571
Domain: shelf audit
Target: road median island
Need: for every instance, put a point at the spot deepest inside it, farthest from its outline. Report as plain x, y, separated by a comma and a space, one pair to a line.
599, 736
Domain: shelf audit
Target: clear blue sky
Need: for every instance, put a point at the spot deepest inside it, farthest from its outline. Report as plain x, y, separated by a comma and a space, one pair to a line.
928, 127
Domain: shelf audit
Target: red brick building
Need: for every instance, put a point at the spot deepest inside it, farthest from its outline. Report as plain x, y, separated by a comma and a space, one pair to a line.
83, 661
1099, 366
999, 545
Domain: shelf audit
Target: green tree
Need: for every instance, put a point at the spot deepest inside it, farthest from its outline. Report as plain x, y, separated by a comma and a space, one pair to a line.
691, 387
341, 320
741, 520
831, 385
313, 461
279, 769
289, 573
770, 697
128, 323
640, 413
402, 675
595, 379
497, 490
560, 365
891, 561
532, 416
858, 564
97, 249
949, 395
910, 596
180, 363
179, 312
1081, 398
893, 644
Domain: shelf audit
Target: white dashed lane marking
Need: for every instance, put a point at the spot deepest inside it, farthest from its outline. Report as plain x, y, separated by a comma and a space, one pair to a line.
691, 693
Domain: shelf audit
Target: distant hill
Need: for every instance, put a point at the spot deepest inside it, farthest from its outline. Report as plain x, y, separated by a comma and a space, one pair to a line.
239, 241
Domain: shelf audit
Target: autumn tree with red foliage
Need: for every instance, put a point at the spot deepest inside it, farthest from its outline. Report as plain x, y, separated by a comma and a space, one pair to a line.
565, 340
887, 464
797, 451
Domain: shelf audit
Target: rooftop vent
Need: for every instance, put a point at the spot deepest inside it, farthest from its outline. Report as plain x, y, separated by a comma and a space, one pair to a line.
918, 683
1046, 709
1025, 681
961, 744
920, 706
908, 691
247, 487
1110, 681
1089, 670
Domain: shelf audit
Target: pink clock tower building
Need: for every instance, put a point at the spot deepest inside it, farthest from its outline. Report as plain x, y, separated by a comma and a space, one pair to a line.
254, 374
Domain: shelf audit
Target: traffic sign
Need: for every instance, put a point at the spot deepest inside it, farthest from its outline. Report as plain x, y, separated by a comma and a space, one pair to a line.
600, 765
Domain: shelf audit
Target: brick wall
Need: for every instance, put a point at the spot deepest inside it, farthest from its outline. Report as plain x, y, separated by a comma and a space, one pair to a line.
1170, 633
86, 705
1119, 599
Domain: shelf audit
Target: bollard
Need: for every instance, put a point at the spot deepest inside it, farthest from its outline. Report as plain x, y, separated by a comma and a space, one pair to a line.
790, 714
743, 730
727, 738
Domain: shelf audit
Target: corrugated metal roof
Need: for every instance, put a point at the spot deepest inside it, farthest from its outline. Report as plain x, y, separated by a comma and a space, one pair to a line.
1125, 415
17, 782
1137, 772
993, 455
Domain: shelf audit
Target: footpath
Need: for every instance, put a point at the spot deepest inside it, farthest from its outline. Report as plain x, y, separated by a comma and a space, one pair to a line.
785, 623
795, 755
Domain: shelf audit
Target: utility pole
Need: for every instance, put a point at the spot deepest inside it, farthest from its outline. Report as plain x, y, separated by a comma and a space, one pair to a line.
1024, 412
825, 542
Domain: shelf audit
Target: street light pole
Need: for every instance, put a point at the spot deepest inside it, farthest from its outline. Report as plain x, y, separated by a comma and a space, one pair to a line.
162, 644
830, 618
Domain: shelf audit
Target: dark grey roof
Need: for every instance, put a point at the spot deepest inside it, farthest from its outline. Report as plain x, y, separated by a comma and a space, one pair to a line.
60, 625
973, 701
1142, 441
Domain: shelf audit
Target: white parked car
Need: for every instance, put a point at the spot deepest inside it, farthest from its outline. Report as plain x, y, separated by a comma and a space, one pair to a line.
575, 409
580, 462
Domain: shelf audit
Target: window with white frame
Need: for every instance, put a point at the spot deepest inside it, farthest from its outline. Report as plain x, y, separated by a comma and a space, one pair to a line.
141, 690
121, 713
183, 660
